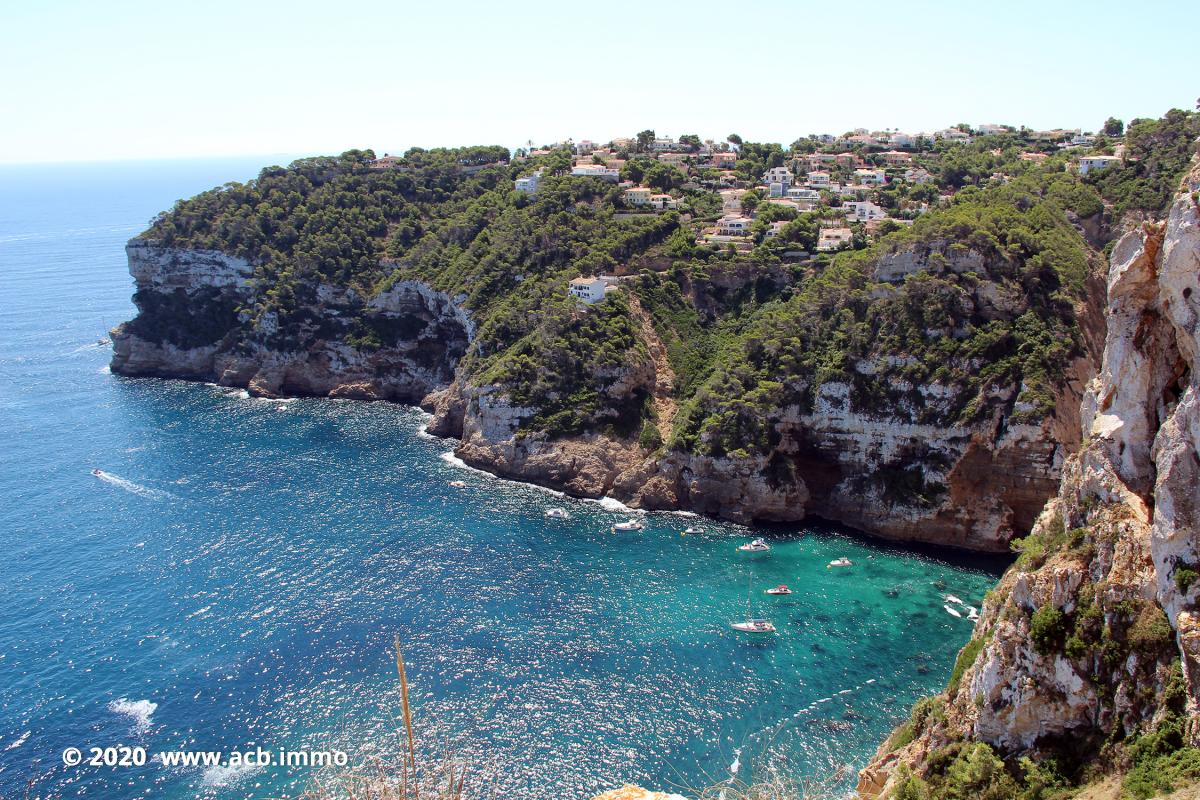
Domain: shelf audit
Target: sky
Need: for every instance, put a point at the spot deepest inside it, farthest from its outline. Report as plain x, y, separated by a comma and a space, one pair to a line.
113, 80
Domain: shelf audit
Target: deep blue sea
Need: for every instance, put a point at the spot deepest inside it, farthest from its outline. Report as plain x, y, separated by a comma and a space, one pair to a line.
236, 576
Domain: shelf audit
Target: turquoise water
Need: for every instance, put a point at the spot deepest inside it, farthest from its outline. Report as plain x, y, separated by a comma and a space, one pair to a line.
236, 577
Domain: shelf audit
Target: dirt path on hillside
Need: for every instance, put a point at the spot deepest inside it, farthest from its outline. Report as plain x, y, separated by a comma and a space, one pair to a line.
664, 376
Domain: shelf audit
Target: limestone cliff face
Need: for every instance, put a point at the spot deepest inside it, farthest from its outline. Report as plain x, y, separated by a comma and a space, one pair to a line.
193, 322
1081, 636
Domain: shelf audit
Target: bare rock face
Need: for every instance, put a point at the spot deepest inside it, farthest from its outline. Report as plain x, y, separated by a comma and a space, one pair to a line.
192, 324
1082, 634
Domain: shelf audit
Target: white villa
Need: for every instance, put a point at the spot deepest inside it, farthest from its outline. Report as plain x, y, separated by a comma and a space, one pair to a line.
833, 238
917, 175
597, 171
733, 225
529, 183
638, 196
663, 202
818, 179
589, 290
870, 177
1091, 163
862, 211
731, 199
778, 175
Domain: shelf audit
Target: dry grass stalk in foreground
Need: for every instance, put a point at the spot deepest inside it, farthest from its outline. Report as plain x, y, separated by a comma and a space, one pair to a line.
417, 776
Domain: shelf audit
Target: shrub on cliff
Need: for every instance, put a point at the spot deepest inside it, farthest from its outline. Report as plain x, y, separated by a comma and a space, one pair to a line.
1048, 630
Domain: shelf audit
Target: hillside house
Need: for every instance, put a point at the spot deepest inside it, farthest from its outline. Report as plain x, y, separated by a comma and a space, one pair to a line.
896, 158
663, 202
724, 160
1093, 163
818, 180
733, 225
731, 200
833, 238
638, 196
387, 162
589, 290
870, 177
529, 183
918, 175
863, 210
604, 173
778, 175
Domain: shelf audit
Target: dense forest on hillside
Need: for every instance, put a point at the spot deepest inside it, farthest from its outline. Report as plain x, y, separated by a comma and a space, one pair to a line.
988, 317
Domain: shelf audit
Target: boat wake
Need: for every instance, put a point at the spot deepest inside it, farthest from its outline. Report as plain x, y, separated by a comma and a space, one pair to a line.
130, 486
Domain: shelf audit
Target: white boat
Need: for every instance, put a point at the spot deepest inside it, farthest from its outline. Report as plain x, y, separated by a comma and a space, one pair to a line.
753, 626
780, 589
628, 525
692, 529
952, 611
972, 612
557, 513
458, 484
97, 473
840, 562
756, 546
952, 599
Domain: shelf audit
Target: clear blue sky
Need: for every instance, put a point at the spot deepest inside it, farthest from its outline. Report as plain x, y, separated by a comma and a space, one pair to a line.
176, 78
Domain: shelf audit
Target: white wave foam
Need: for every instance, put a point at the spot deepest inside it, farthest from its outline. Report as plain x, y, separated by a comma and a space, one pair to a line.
199, 612
20, 740
130, 486
140, 711
458, 463
736, 766
613, 504
216, 777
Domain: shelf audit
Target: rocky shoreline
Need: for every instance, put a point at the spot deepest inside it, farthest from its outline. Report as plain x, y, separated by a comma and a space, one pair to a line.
973, 487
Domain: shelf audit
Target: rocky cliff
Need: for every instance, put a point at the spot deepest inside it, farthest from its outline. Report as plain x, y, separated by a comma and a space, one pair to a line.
923, 388
196, 321
1087, 654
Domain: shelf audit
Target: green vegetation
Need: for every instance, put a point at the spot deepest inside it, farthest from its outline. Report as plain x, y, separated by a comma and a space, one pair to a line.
1157, 155
1048, 630
966, 659
1185, 576
982, 322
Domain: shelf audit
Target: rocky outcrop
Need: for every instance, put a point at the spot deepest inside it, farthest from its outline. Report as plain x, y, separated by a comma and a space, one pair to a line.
1080, 641
194, 322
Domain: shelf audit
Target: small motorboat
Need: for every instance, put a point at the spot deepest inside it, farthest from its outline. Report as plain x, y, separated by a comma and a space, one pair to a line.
753, 626
628, 525
97, 473
972, 612
952, 611
840, 562
557, 513
780, 589
756, 546
459, 484
692, 529
952, 599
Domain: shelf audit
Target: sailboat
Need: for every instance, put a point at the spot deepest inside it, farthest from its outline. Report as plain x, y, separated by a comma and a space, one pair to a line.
752, 624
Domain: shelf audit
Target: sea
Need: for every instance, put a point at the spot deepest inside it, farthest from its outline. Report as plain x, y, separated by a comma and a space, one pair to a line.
237, 574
